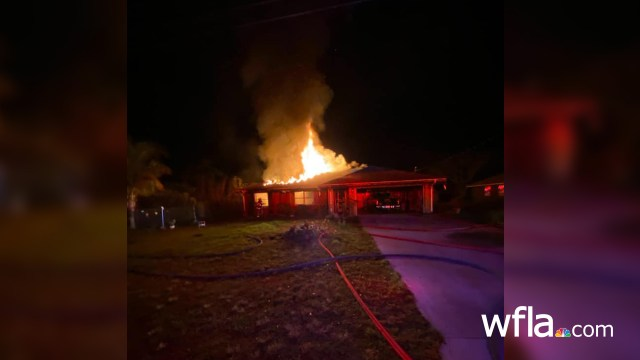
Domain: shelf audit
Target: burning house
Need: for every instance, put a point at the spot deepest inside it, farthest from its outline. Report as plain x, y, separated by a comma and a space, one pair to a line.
302, 177
345, 193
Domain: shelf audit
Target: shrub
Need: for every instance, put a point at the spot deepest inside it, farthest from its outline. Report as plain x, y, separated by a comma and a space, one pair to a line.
302, 235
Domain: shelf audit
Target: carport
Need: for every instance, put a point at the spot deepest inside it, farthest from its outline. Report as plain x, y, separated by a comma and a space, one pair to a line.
376, 189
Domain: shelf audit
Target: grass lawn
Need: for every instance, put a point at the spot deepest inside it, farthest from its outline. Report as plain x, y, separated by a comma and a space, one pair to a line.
306, 314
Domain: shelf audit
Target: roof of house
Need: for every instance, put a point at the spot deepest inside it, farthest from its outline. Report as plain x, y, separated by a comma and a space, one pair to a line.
312, 183
374, 174
494, 180
369, 175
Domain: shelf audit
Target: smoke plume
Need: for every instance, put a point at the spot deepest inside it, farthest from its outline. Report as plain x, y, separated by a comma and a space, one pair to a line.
289, 93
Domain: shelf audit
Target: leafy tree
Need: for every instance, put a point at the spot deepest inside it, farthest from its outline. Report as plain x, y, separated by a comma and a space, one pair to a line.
144, 170
460, 170
215, 190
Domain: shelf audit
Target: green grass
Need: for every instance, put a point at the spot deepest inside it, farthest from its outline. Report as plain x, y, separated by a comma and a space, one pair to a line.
191, 241
306, 314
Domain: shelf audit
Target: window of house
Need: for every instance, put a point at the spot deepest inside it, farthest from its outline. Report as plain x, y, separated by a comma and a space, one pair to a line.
304, 197
487, 190
501, 189
263, 196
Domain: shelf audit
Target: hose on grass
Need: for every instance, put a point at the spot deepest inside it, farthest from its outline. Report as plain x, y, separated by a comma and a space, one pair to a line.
255, 239
381, 329
305, 265
315, 263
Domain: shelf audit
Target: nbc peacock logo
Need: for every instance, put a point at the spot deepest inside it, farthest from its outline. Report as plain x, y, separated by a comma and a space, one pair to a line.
563, 332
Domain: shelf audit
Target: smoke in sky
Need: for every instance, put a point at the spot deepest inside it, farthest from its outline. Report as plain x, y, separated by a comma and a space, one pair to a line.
289, 92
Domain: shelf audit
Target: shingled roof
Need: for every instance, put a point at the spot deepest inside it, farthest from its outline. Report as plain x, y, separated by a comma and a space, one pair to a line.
374, 174
494, 180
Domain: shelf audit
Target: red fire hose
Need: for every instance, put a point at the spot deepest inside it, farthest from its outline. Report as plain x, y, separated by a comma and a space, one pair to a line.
434, 243
394, 344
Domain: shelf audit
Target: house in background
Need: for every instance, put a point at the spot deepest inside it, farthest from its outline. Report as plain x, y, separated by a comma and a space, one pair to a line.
347, 193
484, 201
488, 189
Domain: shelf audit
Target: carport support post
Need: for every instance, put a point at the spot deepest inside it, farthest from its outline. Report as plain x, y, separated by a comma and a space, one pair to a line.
427, 198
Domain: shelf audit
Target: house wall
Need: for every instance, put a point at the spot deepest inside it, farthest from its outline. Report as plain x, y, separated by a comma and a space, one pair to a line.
346, 201
322, 199
477, 194
282, 203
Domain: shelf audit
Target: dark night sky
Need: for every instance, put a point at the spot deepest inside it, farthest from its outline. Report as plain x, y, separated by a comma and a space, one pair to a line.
548, 38
411, 80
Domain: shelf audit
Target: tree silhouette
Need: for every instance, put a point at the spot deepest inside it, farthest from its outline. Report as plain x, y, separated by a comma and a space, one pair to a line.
144, 170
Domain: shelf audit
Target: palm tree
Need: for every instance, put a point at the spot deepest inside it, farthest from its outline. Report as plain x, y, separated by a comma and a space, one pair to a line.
144, 170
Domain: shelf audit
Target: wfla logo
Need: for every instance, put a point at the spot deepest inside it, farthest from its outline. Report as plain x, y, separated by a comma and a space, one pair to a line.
543, 326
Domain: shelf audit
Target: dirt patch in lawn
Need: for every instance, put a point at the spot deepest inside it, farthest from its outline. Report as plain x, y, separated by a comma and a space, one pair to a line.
305, 314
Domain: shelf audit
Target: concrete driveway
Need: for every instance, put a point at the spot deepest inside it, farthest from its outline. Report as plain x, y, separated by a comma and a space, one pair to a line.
452, 297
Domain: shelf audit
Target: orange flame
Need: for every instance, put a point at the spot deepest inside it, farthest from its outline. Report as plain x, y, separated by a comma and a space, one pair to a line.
316, 160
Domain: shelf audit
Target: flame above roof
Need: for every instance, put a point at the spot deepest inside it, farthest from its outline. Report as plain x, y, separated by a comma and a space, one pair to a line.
359, 176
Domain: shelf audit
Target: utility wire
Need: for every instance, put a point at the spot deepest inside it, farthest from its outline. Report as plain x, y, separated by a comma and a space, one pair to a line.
303, 13
211, 18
